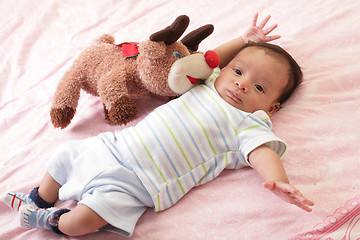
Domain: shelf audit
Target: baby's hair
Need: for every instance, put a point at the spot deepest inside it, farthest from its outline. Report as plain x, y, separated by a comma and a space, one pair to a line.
295, 73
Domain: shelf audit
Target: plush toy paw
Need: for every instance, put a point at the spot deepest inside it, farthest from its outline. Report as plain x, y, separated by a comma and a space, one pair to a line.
60, 117
123, 111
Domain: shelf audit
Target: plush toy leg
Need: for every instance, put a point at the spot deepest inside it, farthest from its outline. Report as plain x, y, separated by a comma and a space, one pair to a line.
61, 117
119, 108
66, 99
123, 111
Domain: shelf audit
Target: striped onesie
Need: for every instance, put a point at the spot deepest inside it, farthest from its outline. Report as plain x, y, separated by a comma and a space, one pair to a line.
182, 144
191, 140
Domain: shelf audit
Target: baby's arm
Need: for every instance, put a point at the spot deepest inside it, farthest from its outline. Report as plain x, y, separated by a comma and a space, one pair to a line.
268, 164
254, 33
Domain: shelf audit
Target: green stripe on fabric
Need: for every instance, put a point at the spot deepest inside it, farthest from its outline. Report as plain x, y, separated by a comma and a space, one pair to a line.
176, 141
181, 187
245, 129
214, 76
152, 159
283, 151
158, 200
227, 158
206, 90
205, 170
269, 144
202, 126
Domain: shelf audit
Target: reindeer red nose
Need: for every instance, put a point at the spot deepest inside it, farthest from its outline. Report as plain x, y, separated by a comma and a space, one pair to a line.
212, 59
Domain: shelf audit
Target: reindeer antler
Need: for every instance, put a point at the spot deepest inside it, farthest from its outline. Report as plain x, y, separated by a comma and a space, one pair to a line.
173, 32
194, 38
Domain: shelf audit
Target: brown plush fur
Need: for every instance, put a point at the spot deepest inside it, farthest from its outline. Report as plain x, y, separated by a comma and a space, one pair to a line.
102, 70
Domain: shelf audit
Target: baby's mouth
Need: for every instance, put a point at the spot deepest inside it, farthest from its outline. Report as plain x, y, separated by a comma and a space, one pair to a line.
234, 96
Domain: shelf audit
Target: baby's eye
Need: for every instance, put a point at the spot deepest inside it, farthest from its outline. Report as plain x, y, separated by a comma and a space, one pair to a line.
259, 88
238, 72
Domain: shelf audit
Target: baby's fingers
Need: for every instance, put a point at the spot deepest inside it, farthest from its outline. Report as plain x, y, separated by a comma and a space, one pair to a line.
302, 202
289, 194
255, 19
303, 199
264, 22
303, 206
270, 29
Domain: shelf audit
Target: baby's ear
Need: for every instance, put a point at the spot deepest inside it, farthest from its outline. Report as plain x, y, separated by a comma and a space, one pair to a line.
274, 108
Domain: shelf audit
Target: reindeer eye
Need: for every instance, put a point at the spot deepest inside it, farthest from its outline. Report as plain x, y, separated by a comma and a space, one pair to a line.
177, 54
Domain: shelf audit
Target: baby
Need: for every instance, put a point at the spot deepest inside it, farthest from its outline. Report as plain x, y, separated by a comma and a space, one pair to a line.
222, 124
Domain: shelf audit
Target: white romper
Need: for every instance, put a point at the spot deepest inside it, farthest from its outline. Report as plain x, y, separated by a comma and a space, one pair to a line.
182, 144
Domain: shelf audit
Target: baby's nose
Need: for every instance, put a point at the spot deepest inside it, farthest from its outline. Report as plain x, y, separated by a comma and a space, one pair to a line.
242, 85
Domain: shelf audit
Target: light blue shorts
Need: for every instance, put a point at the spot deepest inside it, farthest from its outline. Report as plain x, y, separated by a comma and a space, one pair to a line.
96, 175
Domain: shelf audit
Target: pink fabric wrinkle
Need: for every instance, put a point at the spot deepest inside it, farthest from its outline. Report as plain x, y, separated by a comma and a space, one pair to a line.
40, 131
90, 28
10, 27
53, 72
133, 19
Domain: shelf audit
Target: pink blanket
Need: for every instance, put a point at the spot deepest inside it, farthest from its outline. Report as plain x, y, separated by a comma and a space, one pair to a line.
40, 40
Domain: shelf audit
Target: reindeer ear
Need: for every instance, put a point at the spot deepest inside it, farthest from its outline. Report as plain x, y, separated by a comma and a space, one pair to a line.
173, 32
194, 38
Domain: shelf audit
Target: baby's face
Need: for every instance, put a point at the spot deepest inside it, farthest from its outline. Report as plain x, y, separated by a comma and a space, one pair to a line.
253, 80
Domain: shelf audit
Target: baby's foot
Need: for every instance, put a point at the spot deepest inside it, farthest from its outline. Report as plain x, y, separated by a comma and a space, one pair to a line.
15, 199
33, 217
39, 218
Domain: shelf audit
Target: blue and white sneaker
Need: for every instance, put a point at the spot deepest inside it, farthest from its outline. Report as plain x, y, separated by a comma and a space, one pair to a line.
39, 218
16, 199
33, 217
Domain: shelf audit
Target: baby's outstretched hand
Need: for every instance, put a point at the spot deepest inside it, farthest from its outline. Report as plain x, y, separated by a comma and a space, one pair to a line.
289, 194
257, 34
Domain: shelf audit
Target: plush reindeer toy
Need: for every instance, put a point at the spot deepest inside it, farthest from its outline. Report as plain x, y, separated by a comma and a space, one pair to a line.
119, 74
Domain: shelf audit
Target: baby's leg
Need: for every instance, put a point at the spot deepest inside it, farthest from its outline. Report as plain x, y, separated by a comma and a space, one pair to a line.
80, 221
42, 197
49, 188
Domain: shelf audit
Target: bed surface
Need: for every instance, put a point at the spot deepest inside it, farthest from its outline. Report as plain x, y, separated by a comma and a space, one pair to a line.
41, 39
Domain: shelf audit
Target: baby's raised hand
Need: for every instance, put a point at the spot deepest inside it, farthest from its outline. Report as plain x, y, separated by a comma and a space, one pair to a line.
257, 34
289, 194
